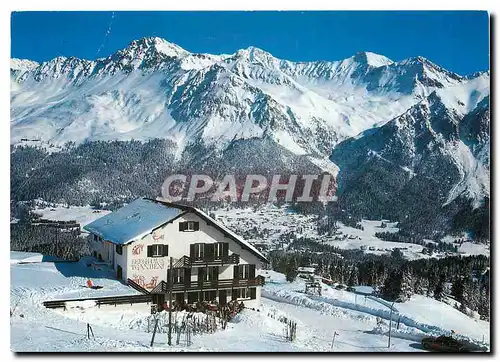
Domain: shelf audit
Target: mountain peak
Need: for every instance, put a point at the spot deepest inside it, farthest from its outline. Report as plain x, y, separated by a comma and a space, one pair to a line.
253, 54
372, 59
158, 45
22, 64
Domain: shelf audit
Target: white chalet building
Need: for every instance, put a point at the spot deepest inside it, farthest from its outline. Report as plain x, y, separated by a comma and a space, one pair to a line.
210, 262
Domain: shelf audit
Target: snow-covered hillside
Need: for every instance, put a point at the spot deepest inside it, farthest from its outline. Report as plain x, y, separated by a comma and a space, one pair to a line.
269, 225
83, 215
154, 88
361, 323
399, 128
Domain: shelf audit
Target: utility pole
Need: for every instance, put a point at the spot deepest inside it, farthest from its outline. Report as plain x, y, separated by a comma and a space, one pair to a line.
170, 303
390, 326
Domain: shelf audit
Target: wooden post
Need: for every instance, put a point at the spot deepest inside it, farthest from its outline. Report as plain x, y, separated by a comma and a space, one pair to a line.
333, 340
390, 326
89, 331
154, 332
170, 303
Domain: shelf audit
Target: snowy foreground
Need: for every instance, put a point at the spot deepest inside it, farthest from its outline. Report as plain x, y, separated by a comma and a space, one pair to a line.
361, 323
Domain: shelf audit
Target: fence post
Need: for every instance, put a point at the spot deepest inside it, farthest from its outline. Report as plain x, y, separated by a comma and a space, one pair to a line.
170, 279
333, 340
154, 332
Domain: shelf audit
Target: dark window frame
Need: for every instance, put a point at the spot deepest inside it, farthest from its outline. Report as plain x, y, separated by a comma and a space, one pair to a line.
209, 295
199, 251
119, 249
189, 226
244, 271
221, 250
242, 293
157, 250
178, 275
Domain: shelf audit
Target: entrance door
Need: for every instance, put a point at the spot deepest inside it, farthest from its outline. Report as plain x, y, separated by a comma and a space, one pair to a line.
222, 297
119, 272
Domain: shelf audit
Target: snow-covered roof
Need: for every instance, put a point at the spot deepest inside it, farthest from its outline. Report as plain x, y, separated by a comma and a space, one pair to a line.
133, 221
305, 269
142, 216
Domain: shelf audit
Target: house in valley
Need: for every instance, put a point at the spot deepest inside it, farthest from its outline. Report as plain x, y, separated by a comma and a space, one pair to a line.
209, 261
306, 272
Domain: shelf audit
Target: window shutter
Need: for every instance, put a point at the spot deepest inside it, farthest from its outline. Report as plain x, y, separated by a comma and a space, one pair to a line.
209, 251
187, 276
236, 272
251, 272
165, 250
182, 226
150, 251
191, 250
196, 226
253, 293
201, 275
234, 294
225, 249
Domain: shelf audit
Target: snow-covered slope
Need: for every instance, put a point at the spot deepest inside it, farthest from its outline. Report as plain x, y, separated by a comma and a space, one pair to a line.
250, 105
154, 88
361, 323
443, 139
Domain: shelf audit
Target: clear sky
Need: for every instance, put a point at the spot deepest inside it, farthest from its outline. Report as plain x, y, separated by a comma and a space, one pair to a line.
458, 41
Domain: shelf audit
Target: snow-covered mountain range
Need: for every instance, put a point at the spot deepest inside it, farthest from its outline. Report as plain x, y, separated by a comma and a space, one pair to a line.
405, 112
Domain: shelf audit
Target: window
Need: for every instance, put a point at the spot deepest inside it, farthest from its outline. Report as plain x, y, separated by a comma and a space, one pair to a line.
157, 250
245, 271
199, 251
208, 274
179, 298
213, 273
221, 250
192, 297
210, 296
242, 293
119, 249
189, 226
178, 275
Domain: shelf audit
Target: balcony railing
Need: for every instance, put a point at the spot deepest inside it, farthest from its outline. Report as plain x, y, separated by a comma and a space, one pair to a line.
163, 287
188, 262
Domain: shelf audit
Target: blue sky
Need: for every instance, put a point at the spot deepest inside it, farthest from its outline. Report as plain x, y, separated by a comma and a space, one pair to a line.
458, 41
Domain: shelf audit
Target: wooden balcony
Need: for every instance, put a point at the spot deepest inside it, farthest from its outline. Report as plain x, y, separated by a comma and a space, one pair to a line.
189, 262
163, 287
